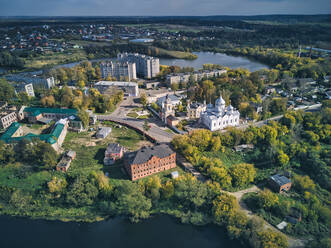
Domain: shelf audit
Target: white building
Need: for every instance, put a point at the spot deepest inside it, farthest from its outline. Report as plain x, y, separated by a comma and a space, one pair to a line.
147, 67
27, 88
119, 70
220, 116
195, 76
37, 82
129, 88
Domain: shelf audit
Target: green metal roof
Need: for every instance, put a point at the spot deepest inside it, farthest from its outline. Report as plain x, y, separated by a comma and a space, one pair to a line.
51, 110
10, 131
49, 138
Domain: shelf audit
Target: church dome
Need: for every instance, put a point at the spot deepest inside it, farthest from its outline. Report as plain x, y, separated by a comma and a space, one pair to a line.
220, 101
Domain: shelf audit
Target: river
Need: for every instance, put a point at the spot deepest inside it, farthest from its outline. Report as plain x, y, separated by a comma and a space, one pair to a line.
160, 232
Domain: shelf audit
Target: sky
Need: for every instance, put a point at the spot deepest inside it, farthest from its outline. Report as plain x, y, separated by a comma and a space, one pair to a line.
161, 7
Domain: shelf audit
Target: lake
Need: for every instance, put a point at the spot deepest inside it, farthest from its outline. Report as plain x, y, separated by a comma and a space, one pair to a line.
216, 58
160, 232
203, 58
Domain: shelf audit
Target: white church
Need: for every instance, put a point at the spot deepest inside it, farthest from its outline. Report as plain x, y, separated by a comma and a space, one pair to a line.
220, 116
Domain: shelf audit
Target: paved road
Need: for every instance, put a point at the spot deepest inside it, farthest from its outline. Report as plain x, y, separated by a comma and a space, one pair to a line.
156, 131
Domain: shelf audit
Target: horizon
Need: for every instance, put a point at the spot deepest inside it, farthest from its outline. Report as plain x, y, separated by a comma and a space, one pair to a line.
126, 8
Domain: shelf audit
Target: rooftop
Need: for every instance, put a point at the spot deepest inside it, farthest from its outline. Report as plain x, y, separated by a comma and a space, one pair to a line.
51, 110
115, 83
280, 180
146, 153
114, 148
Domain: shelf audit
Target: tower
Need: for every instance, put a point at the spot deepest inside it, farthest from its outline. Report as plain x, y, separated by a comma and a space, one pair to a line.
167, 109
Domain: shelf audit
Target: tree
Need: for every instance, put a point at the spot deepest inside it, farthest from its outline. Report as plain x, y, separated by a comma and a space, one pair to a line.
81, 192
216, 144
131, 201
168, 190
143, 99
7, 91
174, 87
57, 185
303, 183
224, 207
84, 117
271, 239
266, 199
48, 101
153, 186
242, 174
282, 158
220, 175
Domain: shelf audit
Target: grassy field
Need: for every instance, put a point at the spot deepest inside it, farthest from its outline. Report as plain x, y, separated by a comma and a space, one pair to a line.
55, 58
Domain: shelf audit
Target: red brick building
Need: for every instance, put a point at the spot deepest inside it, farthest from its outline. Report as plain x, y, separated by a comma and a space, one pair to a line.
149, 160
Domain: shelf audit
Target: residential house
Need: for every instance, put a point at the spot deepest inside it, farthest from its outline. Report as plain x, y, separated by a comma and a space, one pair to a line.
280, 183
113, 152
103, 132
65, 161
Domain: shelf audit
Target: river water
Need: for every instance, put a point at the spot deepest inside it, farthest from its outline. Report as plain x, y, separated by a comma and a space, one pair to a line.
158, 232
203, 58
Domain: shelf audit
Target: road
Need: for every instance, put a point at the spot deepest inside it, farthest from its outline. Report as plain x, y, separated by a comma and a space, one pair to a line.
156, 132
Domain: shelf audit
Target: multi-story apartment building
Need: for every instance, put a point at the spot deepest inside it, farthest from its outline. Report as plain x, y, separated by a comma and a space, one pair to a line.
37, 82
25, 87
195, 76
7, 118
147, 67
149, 160
120, 70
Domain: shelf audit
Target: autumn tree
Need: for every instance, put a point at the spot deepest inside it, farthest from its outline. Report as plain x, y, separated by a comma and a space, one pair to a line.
242, 174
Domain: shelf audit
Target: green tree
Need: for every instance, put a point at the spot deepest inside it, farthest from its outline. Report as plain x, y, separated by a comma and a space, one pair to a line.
7, 91
242, 174
84, 117
143, 99
81, 192
266, 199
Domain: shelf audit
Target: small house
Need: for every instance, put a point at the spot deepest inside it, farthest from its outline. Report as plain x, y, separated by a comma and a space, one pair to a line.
113, 152
65, 161
103, 132
280, 183
172, 121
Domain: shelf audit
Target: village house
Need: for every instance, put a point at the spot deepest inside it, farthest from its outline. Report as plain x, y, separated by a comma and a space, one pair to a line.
103, 132
113, 152
149, 160
65, 161
280, 183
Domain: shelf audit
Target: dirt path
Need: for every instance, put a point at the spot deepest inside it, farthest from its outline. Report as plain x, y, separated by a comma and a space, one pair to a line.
293, 242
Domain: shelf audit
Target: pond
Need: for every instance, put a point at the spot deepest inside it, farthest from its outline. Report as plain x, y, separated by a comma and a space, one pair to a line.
160, 232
